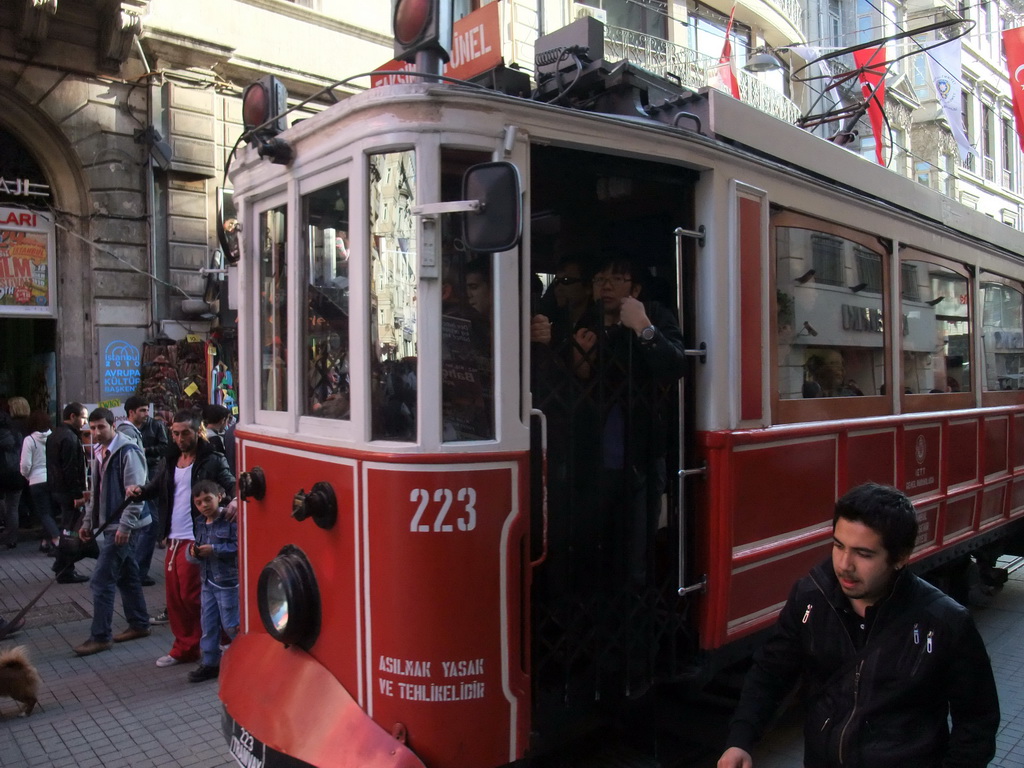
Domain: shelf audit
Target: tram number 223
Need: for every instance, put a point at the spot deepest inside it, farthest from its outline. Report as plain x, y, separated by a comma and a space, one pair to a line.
463, 500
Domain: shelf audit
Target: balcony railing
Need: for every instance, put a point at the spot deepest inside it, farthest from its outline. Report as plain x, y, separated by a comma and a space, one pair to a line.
690, 68
792, 10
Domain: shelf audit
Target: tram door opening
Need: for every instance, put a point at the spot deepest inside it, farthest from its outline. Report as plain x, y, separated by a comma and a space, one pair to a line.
606, 617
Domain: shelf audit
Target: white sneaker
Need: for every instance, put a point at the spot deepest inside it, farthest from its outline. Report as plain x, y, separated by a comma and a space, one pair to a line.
167, 661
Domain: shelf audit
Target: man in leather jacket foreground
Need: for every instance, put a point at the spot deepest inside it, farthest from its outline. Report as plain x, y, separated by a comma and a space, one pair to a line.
895, 672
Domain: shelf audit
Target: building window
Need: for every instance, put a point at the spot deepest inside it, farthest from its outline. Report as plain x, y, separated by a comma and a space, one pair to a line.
649, 17
899, 152
908, 275
967, 118
987, 143
867, 21
834, 23
827, 259
923, 173
464, 8
869, 269
947, 165
706, 34
1009, 180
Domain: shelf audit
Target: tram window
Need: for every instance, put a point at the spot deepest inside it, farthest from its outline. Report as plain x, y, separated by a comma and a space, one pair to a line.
467, 321
829, 315
936, 328
1002, 336
273, 309
393, 289
325, 229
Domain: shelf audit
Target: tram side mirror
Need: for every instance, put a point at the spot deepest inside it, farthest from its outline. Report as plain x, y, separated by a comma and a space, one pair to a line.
498, 223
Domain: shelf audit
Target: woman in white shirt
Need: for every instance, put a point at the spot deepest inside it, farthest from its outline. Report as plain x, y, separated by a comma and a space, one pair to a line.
33, 468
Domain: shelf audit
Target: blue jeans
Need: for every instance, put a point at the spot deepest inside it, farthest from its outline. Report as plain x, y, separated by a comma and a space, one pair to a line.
116, 567
9, 501
147, 540
219, 612
42, 508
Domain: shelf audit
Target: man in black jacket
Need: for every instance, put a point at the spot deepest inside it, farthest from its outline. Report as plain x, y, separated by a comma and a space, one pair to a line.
885, 656
190, 459
154, 443
65, 474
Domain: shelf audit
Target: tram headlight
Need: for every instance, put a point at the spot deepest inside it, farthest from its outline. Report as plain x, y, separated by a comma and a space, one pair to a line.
289, 599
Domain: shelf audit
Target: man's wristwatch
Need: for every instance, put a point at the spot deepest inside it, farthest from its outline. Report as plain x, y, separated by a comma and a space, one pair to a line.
647, 334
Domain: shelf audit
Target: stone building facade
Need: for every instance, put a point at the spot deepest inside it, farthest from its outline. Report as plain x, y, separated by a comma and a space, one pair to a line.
118, 115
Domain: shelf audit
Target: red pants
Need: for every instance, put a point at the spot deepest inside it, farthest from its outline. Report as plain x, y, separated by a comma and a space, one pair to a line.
183, 600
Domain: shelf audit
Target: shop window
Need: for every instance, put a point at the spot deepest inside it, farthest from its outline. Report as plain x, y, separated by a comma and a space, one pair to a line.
393, 293
1002, 337
273, 309
831, 334
936, 329
325, 229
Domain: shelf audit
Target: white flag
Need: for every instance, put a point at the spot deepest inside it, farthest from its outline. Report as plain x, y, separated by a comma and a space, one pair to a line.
944, 63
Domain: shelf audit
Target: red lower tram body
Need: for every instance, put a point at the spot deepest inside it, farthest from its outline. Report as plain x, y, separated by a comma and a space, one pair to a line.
423, 590
423, 651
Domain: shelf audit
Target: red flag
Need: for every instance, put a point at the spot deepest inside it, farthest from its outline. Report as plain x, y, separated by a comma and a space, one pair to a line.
1013, 43
725, 66
871, 66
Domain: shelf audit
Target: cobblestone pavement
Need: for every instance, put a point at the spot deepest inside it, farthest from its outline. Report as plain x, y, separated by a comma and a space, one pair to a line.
115, 708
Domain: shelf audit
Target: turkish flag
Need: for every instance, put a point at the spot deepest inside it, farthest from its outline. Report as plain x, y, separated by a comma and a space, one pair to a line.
725, 65
871, 72
1013, 43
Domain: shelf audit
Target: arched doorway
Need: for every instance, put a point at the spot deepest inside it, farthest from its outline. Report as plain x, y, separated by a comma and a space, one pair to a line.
28, 310
34, 147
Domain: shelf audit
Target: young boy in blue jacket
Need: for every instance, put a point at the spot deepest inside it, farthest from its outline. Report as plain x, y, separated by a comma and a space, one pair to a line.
216, 551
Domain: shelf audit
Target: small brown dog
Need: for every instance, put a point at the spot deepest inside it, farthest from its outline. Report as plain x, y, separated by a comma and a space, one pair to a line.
18, 678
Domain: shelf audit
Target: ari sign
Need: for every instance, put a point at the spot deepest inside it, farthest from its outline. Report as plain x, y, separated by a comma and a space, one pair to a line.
26, 263
476, 48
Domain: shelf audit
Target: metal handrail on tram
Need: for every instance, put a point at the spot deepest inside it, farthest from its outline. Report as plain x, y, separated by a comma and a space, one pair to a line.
543, 485
684, 473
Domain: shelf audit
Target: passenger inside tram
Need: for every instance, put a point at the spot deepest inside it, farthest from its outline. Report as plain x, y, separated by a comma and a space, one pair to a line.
826, 375
467, 365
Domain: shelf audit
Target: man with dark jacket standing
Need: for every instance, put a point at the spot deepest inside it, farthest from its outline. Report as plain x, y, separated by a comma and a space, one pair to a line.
190, 459
65, 473
886, 657
154, 443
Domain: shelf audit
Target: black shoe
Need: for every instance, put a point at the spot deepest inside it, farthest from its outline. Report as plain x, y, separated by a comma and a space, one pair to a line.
10, 628
202, 673
148, 582
72, 578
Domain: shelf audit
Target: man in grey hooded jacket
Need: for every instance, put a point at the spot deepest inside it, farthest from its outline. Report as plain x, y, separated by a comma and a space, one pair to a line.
118, 462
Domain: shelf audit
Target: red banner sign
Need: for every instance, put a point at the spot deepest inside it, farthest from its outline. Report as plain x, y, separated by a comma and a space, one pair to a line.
476, 48
1013, 43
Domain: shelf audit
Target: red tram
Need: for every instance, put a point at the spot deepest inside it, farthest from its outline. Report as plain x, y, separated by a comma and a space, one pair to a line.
419, 587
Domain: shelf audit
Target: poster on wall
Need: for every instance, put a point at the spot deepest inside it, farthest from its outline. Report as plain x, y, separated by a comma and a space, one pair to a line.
120, 359
26, 263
